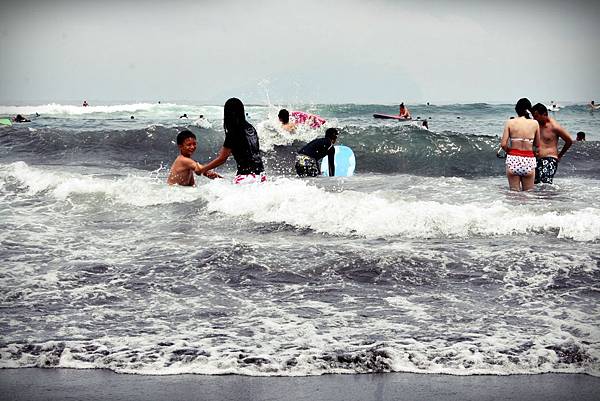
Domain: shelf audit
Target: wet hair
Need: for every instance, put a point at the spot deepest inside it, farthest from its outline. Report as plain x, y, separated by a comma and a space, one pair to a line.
284, 116
331, 133
540, 109
234, 116
402, 104
522, 107
183, 135
581, 136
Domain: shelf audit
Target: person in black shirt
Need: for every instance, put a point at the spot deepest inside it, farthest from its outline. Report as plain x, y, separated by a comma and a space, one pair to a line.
20, 119
241, 141
309, 157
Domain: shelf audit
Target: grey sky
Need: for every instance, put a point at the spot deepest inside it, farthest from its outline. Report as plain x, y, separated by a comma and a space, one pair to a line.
298, 51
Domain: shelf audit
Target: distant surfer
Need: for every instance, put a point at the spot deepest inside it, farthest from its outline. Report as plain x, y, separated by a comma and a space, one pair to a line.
425, 124
183, 168
580, 136
284, 119
520, 135
20, 119
85, 103
403, 112
309, 157
241, 141
593, 106
183, 116
548, 154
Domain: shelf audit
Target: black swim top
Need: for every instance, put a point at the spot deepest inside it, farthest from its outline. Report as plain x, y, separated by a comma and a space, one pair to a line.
244, 146
318, 148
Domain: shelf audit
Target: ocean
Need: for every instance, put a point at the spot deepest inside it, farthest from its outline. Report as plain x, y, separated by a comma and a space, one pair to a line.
423, 261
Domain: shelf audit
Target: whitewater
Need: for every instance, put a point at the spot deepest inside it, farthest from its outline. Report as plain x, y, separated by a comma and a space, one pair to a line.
421, 262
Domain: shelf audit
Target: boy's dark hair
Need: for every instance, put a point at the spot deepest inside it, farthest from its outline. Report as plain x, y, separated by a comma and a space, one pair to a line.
183, 135
284, 116
581, 135
522, 106
540, 109
331, 133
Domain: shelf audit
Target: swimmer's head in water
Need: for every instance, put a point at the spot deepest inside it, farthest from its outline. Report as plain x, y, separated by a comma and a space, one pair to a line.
581, 136
284, 116
522, 107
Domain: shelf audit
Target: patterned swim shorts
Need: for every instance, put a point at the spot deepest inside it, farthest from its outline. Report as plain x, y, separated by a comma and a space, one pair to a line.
306, 166
520, 165
545, 170
250, 178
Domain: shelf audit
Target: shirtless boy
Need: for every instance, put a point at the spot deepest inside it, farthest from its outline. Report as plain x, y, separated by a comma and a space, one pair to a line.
548, 154
183, 168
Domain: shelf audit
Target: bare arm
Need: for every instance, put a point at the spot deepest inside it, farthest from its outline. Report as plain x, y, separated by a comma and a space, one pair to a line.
504, 141
221, 158
536, 140
331, 161
200, 169
562, 133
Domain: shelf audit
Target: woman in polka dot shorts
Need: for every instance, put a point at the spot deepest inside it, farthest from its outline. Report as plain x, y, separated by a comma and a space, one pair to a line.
523, 133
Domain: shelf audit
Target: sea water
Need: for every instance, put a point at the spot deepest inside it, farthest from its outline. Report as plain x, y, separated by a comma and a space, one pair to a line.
421, 262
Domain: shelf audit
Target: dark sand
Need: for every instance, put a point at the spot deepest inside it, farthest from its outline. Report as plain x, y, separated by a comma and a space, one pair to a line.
67, 384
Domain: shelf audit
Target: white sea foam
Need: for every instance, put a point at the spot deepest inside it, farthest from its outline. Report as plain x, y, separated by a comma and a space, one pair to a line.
300, 204
132, 190
303, 205
65, 109
271, 133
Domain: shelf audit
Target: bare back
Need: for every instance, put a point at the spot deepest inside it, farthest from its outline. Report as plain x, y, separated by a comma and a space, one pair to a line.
182, 171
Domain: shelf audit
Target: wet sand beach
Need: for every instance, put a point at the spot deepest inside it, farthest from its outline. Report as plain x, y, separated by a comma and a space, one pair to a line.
70, 384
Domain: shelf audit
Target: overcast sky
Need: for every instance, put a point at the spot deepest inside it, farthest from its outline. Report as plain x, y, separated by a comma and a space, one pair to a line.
369, 51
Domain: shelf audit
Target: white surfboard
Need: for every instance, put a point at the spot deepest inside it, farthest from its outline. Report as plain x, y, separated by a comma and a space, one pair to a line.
344, 160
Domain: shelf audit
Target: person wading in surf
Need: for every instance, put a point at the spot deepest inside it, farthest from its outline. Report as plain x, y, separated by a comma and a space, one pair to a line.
309, 157
183, 168
241, 141
520, 135
548, 154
